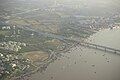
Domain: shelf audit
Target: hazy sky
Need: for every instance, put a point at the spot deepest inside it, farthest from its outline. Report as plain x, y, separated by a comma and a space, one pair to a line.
76, 2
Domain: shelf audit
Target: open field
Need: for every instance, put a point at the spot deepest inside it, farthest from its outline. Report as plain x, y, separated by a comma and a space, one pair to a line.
4, 32
35, 56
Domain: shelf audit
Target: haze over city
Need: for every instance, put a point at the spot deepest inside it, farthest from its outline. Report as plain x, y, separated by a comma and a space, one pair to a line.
59, 39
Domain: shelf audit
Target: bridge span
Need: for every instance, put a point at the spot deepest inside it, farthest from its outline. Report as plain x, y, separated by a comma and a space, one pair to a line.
100, 47
95, 46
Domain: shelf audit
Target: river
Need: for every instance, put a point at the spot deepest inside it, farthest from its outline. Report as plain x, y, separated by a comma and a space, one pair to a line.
82, 63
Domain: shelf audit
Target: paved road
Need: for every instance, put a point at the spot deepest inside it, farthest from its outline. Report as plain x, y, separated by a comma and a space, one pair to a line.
28, 11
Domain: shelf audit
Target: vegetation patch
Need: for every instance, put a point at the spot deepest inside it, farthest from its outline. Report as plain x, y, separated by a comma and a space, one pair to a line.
35, 56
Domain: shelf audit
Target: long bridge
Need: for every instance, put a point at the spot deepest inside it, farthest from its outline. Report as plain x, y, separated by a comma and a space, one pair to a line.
100, 47
95, 46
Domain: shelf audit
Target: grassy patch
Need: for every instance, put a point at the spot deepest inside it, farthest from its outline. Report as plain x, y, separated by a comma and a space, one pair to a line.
35, 56
4, 32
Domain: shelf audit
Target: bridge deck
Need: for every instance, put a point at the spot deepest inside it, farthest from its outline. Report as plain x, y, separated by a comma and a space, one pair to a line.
99, 46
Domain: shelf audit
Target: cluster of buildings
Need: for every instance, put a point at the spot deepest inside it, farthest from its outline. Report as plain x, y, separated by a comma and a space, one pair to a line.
6, 27
12, 45
95, 22
12, 30
11, 63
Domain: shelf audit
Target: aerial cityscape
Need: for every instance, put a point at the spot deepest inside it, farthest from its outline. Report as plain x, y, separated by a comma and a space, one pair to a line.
59, 40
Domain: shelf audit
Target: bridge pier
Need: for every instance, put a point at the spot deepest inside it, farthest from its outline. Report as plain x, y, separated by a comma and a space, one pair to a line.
115, 51
96, 47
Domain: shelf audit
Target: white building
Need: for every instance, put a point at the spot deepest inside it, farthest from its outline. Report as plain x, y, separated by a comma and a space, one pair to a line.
6, 27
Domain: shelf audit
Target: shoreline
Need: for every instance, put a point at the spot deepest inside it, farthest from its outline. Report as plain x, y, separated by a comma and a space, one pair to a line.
52, 57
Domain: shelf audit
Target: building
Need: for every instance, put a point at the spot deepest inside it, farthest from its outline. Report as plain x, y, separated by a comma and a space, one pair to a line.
6, 27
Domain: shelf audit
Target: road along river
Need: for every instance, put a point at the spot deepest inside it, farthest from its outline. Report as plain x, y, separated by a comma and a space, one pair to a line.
83, 63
